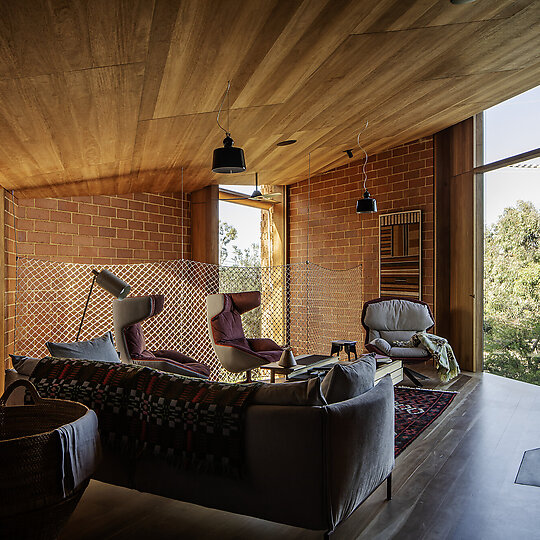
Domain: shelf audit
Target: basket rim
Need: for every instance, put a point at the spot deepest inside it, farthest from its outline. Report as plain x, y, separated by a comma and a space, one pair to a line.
45, 403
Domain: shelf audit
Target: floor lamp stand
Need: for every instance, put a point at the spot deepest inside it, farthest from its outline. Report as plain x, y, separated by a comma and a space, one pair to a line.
86, 305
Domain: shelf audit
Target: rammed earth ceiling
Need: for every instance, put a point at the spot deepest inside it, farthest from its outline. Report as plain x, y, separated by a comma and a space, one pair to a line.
115, 96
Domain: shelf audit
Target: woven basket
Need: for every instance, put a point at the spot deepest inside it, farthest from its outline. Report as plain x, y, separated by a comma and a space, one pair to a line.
32, 503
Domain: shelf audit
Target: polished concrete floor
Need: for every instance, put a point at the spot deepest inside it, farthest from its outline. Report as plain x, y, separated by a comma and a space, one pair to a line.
456, 481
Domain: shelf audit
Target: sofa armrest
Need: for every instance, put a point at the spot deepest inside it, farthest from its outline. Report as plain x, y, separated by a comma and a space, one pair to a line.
360, 448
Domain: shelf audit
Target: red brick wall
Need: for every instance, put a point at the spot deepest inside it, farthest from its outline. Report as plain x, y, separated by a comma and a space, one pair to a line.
399, 179
97, 230
104, 229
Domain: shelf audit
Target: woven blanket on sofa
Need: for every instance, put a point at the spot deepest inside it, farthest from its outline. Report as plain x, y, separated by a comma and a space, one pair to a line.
191, 422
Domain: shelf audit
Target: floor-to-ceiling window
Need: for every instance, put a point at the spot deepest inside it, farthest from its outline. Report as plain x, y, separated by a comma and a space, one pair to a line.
512, 238
239, 229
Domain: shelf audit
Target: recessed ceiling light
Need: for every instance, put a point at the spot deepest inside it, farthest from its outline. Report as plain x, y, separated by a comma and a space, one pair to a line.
286, 143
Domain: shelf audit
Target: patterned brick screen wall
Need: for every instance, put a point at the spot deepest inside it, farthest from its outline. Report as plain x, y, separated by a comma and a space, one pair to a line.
400, 179
97, 230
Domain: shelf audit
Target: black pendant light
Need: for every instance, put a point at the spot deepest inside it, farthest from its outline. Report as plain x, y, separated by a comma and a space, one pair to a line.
227, 160
257, 192
367, 204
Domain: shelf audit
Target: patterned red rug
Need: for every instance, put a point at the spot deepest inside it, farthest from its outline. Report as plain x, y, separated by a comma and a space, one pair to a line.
416, 409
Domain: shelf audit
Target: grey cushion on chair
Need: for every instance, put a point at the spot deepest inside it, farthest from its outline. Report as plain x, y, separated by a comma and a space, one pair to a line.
408, 352
398, 314
396, 320
392, 320
382, 345
397, 335
398, 352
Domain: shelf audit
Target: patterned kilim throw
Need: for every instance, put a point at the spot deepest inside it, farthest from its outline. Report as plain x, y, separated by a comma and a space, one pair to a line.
191, 422
416, 409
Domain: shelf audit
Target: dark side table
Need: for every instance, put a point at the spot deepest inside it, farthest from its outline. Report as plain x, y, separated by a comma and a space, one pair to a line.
348, 346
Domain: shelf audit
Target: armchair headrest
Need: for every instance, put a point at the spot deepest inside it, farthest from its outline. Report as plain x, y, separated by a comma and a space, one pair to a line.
245, 301
136, 309
397, 314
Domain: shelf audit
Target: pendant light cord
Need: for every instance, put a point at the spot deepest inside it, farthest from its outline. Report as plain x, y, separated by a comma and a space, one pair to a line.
308, 204
182, 262
307, 250
228, 109
16, 264
366, 154
182, 218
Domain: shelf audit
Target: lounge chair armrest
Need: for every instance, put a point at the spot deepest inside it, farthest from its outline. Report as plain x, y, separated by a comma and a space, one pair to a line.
169, 366
263, 344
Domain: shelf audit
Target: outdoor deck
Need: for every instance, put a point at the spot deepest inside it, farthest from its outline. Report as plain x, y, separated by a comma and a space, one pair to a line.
456, 481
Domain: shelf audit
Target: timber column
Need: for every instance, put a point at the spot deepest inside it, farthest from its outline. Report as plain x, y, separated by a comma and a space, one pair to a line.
205, 225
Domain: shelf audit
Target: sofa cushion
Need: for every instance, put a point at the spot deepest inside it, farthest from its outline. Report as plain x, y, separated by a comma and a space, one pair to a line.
397, 335
24, 365
134, 337
381, 344
408, 352
101, 349
291, 393
349, 379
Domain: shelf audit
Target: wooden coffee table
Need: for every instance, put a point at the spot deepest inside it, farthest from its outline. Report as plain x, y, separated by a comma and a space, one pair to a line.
394, 368
299, 369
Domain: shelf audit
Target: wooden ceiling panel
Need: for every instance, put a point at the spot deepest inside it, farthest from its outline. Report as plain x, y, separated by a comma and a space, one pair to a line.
68, 126
407, 14
312, 34
217, 50
40, 38
464, 59
105, 96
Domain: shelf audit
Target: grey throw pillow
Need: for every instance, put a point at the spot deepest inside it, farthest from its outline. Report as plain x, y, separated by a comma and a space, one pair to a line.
101, 349
381, 344
24, 365
349, 379
291, 393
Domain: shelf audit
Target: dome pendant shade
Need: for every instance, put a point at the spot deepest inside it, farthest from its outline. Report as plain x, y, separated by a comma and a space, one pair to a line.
228, 159
366, 205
